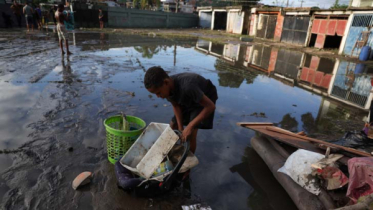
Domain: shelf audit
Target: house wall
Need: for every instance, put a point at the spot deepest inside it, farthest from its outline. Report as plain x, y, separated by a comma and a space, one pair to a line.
266, 26
295, 29
358, 22
215, 18
205, 18
327, 27
253, 22
279, 27
235, 21
361, 3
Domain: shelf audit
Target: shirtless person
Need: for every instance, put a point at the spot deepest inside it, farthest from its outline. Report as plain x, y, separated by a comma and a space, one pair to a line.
28, 11
61, 30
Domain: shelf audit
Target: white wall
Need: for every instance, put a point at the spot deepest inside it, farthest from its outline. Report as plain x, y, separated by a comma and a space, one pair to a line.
362, 3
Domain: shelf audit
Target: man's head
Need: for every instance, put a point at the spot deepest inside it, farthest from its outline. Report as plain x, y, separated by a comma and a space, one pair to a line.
158, 82
99, 10
15, 3
61, 7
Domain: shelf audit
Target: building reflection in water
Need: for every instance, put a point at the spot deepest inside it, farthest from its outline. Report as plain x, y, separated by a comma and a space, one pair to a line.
339, 80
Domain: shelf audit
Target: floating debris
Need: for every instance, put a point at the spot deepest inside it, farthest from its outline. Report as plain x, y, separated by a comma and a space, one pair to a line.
82, 179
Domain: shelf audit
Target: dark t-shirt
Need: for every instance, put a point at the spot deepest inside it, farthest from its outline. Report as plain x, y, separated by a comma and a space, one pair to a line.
189, 89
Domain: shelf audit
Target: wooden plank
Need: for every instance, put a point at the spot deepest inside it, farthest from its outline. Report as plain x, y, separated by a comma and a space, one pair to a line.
244, 124
351, 150
296, 140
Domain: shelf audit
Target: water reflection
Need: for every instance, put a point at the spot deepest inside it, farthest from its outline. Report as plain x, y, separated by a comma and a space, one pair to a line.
268, 193
337, 79
147, 51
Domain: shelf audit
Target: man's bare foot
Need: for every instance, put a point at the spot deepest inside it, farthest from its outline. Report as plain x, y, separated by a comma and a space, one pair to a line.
69, 53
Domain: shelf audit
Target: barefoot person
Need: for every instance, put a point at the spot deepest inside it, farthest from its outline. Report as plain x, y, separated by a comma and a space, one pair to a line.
38, 17
17, 11
61, 30
192, 97
28, 11
101, 18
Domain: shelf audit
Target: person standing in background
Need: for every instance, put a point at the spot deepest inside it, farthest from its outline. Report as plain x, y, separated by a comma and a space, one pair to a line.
46, 18
17, 11
52, 11
28, 11
101, 18
61, 30
38, 17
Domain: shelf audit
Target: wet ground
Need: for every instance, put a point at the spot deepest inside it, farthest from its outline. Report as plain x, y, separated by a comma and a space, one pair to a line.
50, 104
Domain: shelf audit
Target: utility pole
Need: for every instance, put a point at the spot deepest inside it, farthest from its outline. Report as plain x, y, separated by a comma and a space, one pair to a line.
287, 3
301, 3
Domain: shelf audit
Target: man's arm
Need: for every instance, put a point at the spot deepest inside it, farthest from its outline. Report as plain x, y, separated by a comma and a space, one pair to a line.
208, 108
178, 115
24, 10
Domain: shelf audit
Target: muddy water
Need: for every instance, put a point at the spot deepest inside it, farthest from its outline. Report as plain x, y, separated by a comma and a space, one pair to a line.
50, 104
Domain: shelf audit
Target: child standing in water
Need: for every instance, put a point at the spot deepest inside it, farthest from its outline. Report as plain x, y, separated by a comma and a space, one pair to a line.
61, 30
192, 97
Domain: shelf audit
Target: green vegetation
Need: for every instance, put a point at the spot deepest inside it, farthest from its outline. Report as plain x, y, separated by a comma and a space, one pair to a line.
336, 5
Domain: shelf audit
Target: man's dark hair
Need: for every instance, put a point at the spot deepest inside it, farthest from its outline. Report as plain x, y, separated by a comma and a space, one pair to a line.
61, 6
154, 77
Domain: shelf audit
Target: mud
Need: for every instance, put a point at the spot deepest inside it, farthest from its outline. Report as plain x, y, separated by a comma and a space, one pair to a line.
50, 104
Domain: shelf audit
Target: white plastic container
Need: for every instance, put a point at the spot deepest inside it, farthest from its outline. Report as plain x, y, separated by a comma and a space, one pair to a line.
149, 150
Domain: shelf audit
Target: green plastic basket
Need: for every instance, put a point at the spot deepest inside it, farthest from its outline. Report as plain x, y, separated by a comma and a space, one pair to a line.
118, 141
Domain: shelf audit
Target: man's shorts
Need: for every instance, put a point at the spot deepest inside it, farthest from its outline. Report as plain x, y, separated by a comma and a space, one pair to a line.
62, 32
190, 113
29, 20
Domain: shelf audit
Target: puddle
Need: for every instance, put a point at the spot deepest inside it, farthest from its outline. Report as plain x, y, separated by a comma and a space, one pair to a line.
51, 104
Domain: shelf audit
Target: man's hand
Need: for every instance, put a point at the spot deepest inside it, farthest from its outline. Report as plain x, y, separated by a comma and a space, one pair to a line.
187, 132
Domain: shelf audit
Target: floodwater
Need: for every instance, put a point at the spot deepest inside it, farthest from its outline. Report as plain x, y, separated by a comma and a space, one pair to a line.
50, 104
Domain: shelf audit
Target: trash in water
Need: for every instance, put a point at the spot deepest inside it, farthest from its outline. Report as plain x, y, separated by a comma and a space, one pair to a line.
82, 179
163, 168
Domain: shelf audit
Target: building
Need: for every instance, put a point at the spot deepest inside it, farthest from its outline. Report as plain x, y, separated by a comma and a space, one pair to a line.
233, 19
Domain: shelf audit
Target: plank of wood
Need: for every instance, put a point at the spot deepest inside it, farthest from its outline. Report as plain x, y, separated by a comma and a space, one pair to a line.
351, 150
298, 141
244, 124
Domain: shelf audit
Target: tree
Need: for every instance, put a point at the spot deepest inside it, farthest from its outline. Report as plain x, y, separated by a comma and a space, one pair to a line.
135, 4
143, 4
336, 5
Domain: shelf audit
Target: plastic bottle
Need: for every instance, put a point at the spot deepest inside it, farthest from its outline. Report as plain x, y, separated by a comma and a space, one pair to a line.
163, 168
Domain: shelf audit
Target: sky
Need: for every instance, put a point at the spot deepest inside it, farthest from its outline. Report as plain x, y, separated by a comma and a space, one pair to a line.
307, 3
